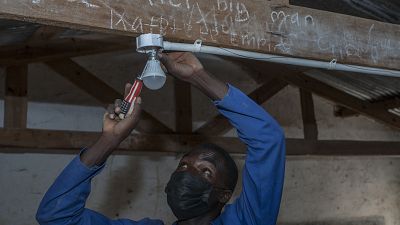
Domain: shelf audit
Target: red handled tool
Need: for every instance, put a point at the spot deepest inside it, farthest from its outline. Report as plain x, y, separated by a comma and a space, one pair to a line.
129, 101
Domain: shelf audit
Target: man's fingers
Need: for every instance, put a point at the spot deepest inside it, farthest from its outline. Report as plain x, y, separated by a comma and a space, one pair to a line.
137, 102
166, 61
132, 116
128, 87
110, 112
135, 109
117, 106
164, 68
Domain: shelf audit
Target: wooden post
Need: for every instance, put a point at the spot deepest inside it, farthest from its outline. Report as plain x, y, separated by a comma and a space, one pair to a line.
16, 103
183, 107
308, 115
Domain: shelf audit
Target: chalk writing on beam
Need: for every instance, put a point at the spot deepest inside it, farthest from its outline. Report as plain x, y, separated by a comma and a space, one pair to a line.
87, 3
173, 3
240, 9
280, 31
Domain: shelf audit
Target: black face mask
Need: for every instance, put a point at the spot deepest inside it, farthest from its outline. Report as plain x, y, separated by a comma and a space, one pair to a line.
189, 196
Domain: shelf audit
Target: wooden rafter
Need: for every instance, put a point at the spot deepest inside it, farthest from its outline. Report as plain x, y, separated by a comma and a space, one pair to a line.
219, 124
44, 33
183, 107
307, 111
363, 107
42, 141
389, 103
101, 91
42, 51
263, 26
341, 111
293, 75
16, 101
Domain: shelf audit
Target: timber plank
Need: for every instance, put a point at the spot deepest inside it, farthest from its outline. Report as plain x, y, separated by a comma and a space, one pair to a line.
69, 142
262, 26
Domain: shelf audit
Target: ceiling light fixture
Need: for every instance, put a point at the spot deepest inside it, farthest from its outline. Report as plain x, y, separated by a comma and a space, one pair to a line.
153, 76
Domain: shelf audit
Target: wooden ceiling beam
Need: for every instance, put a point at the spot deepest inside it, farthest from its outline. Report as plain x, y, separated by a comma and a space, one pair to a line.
272, 27
70, 142
101, 91
220, 125
44, 33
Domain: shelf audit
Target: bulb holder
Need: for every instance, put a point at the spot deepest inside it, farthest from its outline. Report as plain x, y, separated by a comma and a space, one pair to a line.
149, 42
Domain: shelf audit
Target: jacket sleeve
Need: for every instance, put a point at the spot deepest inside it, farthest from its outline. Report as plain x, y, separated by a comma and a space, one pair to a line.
263, 172
64, 202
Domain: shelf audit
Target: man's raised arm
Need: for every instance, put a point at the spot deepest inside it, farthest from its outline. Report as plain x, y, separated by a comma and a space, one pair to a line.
263, 173
64, 202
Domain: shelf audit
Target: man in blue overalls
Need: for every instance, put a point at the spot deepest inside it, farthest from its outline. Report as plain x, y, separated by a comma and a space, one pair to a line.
206, 176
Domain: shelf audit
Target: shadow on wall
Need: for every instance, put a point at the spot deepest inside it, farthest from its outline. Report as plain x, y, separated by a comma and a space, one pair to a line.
135, 188
371, 220
119, 191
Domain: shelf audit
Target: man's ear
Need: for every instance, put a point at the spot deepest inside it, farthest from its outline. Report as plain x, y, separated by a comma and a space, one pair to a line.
224, 196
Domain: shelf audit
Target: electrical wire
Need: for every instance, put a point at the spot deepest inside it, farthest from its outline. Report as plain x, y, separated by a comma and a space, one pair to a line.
332, 65
284, 57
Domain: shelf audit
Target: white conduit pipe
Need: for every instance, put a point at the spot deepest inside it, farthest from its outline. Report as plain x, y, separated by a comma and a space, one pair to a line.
333, 65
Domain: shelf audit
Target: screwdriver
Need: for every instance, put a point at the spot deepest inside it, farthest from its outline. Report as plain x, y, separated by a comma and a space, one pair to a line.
129, 102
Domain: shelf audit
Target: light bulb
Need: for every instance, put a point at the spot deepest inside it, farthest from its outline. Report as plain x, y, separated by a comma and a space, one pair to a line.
153, 76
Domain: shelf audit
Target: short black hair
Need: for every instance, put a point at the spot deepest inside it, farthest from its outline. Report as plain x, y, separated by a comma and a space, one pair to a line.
228, 167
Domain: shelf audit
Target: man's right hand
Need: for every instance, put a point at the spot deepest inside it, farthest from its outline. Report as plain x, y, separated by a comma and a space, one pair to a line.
182, 65
115, 131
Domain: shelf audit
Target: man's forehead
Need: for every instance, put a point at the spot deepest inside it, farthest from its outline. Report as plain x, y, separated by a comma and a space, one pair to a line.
203, 155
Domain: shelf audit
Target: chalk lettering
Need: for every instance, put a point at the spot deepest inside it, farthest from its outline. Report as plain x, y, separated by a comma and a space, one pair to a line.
171, 2
242, 14
137, 25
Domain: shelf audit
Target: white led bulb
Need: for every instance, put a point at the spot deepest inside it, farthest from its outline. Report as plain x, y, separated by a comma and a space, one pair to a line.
153, 76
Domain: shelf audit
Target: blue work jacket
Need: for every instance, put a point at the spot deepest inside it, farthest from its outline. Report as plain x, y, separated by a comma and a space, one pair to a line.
263, 175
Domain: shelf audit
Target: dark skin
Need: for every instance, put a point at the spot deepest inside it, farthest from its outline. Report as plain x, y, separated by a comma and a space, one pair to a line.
186, 67
195, 162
